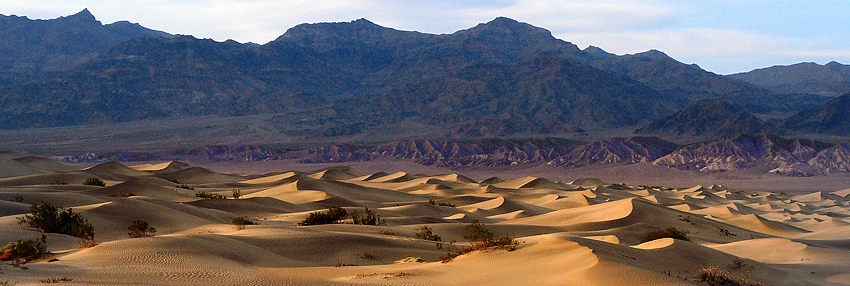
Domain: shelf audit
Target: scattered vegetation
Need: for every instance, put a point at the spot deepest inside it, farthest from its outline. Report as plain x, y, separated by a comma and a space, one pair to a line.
236, 194
368, 218
369, 256
447, 204
725, 232
241, 222
670, 232
24, 249
425, 232
59, 182
51, 218
92, 181
185, 186
122, 195
387, 232
18, 198
716, 277
56, 280
209, 196
333, 215
738, 263
141, 228
481, 238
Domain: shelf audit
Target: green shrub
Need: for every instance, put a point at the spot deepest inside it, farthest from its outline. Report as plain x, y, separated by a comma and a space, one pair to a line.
368, 218
241, 222
334, 215
24, 249
140, 228
94, 182
425, 232
670, 232
209, 196
51, 218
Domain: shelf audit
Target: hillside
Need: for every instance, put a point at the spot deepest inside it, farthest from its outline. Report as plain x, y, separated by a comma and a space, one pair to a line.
708, 118
831, 79
343, 79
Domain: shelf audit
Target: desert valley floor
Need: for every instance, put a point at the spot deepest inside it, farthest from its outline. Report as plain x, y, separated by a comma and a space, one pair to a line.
580, 232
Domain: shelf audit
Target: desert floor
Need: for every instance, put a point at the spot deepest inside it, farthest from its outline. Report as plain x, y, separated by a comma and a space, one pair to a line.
575, 227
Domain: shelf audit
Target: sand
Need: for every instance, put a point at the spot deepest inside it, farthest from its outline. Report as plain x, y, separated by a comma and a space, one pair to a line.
584, 231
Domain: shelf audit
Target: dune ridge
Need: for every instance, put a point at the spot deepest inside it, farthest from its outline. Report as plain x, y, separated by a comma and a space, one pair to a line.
582, 232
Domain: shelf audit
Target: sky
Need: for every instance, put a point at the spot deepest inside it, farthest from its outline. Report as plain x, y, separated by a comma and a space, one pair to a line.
721, 36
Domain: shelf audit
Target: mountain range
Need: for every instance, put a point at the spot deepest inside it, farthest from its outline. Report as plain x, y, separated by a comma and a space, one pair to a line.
501, 78
361, 83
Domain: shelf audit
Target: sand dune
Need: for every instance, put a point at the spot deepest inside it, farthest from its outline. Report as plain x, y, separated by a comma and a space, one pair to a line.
587, 232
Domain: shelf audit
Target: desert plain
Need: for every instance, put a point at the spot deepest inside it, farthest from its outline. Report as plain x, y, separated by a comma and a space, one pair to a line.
585, 231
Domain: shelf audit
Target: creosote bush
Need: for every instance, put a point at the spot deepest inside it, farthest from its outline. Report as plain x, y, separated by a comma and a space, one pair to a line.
241, 222
368, 218
670, 232
51, 218
425, 232
24, 249
209, 196
141, 228
94, 182
236, 194
481, 238
333, 215
716, 277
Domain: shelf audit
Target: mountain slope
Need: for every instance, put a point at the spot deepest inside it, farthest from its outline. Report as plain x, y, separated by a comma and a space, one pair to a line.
708, 118
831, 79
833, 117
32, 47
742, 151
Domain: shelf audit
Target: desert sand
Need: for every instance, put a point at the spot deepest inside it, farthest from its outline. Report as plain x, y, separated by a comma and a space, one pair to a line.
580, 232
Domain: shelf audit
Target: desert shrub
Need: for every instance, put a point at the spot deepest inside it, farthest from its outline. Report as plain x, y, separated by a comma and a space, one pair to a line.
447, 204
236, 194
18, 198
140, 228
92, 181
481, 238
432, 202
185, 186
24, 249
368, 218
670, 232
56, 280
241, 222
715, 277
122, 195
51, 218
209, 196
334, 215
425, 232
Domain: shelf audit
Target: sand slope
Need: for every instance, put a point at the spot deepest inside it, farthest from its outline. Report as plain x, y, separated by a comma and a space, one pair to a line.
586, 232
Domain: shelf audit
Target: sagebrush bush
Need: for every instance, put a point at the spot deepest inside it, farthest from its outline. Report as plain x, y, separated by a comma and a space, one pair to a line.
368, 218
51, 218
670, 232
92, 181
141, 228
24, 249
334, 215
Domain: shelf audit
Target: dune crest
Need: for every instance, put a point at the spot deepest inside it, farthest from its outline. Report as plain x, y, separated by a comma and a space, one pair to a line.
587, 232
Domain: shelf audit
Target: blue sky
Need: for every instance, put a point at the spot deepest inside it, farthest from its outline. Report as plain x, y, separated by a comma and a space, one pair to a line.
722, 36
